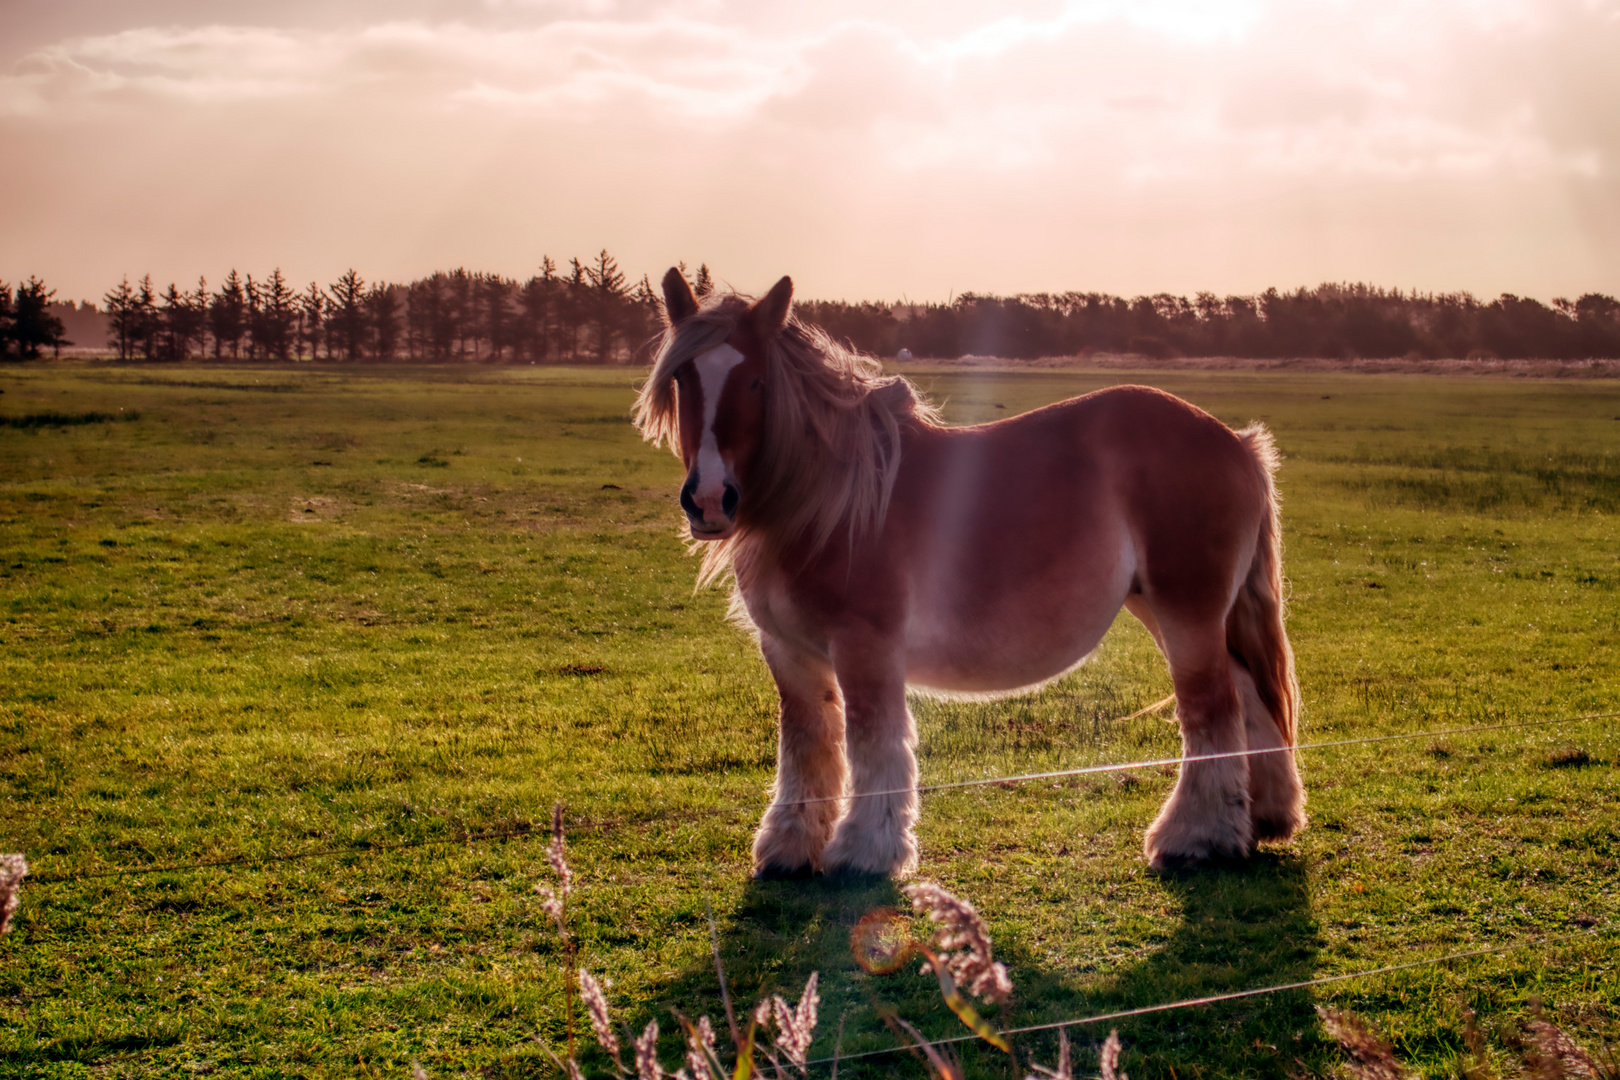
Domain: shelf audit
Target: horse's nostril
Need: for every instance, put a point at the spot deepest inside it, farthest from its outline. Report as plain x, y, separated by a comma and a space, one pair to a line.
688, 503
728, 501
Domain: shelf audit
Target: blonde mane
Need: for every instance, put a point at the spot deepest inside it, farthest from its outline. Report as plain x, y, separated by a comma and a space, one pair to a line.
831, 446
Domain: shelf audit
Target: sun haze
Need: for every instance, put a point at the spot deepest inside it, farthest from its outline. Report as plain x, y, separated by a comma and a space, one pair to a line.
872, 149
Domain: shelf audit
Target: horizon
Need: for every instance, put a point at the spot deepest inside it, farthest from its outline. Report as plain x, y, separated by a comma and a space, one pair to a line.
98, 303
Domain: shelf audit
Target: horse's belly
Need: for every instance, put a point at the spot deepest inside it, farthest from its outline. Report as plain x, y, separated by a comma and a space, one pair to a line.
1005, 666
956, 642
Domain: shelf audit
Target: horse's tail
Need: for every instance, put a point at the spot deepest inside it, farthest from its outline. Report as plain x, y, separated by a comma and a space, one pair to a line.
1254, 627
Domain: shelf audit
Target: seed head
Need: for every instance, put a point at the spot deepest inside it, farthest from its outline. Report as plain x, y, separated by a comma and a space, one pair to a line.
1553, 1055
13, 868
590, 991
552, 905
647, 1067
962, 941
699, 1048
1371, 1058
555, 855
1110, 1058
1063, 1070
795, 1027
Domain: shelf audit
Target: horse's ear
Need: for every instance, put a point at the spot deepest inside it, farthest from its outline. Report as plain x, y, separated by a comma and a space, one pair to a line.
771, 313
678, 299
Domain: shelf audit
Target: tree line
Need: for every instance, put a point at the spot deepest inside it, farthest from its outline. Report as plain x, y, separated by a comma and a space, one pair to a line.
587, 314
27, 324
1329, 321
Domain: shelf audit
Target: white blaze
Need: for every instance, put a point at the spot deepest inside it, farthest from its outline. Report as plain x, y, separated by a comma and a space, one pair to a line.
713, 368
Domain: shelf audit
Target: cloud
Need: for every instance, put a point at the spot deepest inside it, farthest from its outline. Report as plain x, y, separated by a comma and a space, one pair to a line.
1378, 88
556, 69
1256, 138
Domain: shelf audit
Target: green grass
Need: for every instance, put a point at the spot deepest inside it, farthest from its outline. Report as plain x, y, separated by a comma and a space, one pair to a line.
294, 610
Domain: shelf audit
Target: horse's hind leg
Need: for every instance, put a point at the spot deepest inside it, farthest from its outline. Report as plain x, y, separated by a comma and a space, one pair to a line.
810, 769
1207, 815
1277, 798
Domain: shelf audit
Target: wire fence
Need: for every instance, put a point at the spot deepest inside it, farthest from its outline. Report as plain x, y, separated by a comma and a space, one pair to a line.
523, 830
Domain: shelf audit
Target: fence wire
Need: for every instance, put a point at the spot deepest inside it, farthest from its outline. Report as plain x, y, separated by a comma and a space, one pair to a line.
1215, 999
524, 830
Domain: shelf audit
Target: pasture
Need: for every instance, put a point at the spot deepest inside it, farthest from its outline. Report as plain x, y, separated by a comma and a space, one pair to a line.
383, 619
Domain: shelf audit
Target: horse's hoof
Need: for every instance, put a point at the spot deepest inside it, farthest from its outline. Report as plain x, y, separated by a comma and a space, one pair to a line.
1175, 863
852, 875
1171, 863
778, 872
847, 859
1277, 831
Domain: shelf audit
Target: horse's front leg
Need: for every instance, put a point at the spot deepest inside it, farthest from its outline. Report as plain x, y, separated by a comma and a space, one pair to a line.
877, 834
810, 770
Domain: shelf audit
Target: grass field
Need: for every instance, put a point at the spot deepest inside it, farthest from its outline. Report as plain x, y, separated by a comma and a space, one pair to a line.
250, 613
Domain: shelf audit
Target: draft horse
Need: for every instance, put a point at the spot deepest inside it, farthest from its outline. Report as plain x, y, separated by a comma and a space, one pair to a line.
876, 549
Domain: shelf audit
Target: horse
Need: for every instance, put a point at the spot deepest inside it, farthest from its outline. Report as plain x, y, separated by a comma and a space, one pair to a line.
875, 549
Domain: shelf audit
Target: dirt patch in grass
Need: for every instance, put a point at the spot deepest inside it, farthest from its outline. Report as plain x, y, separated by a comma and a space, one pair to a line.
1567, 757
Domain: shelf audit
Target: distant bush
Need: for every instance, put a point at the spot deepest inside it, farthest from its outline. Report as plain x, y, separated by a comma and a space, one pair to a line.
52, 418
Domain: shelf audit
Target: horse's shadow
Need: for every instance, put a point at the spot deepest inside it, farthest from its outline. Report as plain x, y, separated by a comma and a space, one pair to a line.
1241, 926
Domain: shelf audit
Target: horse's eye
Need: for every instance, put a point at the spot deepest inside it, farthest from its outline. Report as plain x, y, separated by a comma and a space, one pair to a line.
758, 385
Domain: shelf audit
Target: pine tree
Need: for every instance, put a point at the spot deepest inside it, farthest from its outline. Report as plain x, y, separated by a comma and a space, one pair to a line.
33, 327
458, 309
496, 294
174, 331
607, 302
8, 322
120, 308
419, 318
199, 316
311, 308
443, 326
705, 283
648, 315
572, 309
346, 317
277, 312
254, 318
227, 316
538, 301
382, 320
146, 318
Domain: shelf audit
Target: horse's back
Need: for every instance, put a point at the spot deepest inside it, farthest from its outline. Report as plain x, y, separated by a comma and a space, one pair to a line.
1136, 446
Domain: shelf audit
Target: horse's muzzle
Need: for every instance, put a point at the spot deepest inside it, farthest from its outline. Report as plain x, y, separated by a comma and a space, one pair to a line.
708, 520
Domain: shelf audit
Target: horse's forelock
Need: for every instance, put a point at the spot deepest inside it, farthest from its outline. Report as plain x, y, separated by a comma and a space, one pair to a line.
656, 416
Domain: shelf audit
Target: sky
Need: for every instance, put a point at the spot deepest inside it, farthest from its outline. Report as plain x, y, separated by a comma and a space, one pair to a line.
873, 149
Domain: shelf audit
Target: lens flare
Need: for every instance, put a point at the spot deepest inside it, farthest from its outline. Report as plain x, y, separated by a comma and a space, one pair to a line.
882, 941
